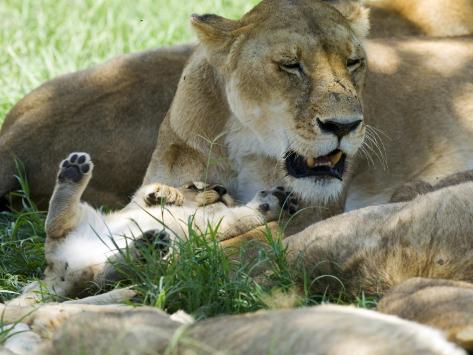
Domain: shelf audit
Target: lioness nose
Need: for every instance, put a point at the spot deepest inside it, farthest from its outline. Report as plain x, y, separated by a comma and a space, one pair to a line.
340, 129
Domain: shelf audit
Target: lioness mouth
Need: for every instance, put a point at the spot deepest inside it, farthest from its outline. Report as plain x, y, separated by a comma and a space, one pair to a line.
330, 165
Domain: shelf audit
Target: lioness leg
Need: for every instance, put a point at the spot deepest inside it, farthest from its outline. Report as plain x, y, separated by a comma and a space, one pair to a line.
64, 208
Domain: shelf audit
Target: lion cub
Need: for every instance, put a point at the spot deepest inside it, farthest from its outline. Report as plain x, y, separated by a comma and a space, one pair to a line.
82, 242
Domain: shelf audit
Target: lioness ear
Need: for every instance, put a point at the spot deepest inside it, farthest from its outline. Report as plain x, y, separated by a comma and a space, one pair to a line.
356, 14
212, 30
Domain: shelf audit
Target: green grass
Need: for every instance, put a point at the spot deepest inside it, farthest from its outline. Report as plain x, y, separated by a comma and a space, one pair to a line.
21, 242
40, 39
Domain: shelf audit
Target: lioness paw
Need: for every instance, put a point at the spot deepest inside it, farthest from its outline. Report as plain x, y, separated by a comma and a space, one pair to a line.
75, 167
158, 194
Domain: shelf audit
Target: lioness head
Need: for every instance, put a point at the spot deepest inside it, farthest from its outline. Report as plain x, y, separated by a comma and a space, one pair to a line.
293, 72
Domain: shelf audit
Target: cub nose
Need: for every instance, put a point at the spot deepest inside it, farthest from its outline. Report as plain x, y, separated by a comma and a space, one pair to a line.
220, 190
340, 129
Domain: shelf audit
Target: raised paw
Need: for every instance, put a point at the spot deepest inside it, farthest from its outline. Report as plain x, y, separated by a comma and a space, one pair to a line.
157, 194
75, 167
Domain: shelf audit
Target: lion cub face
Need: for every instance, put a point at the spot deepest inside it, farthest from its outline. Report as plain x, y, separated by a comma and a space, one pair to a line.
293, 74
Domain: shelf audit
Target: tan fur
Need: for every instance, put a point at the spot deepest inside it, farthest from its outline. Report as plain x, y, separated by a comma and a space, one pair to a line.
324, 329
374, 248
442, 304
434, 87
439, 18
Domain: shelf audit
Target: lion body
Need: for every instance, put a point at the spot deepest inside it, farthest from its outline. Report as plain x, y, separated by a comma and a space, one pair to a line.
375, 248
443, 304
325, 329
98, 110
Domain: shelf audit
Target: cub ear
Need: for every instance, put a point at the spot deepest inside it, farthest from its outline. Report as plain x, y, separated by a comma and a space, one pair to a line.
212, 30
356, 14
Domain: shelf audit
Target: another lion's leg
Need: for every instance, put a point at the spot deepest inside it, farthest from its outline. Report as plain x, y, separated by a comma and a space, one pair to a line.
409, 191
64, 207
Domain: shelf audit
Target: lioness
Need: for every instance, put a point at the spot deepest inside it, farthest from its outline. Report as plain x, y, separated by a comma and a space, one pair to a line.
288, 108
82, 243
119, 102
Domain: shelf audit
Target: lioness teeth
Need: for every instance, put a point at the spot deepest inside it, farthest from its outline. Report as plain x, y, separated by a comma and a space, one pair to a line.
311, 163
335, 158
326, 160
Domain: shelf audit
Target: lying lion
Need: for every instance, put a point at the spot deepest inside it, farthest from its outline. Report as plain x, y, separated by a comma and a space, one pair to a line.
375, 248
83, 243
442, 304
321, 330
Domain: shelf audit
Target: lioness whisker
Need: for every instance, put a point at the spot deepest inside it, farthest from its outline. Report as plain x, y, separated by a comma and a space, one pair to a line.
367, 156
380, 153
377, 137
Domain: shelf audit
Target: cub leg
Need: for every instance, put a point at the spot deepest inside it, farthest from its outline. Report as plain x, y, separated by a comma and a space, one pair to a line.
72, 179
63, 215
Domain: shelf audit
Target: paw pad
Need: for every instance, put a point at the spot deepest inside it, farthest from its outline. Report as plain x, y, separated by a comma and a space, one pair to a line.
282, 199
74, 167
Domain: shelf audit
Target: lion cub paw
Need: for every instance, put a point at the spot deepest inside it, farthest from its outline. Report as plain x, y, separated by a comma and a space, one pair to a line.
158, 194
271, 202
75, 167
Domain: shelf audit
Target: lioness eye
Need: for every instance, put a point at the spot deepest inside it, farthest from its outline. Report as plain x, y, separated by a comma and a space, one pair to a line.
292, 68
353, 64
